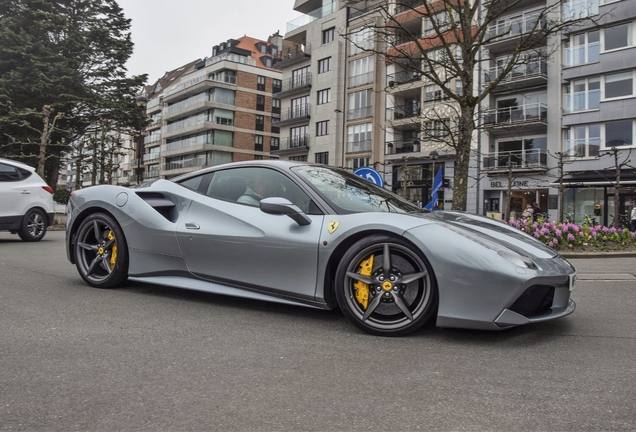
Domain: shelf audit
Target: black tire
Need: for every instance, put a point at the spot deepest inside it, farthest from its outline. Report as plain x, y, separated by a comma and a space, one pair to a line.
33, 226
101, 253
400, 300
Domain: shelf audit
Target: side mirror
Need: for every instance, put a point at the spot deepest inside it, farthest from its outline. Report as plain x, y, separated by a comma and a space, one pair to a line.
282, 206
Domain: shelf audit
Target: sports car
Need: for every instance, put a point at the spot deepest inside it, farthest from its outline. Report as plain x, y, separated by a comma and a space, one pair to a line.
317, 236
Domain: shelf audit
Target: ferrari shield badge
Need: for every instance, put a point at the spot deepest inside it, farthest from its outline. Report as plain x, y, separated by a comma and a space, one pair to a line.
333, 226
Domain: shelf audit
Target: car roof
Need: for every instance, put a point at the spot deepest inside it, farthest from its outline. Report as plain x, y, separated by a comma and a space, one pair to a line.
274, 163
17, 164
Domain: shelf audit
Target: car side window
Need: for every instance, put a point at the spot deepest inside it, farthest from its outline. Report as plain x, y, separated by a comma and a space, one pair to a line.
8, 173
251, 184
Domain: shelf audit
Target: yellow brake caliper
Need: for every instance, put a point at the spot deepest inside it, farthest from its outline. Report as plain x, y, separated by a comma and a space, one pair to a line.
362, 289
113, 250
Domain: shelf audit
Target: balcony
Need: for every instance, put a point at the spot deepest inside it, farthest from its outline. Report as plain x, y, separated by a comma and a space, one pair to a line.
403, 38
402, 146
293, 55
582, 101
294, 114
403, 112
357, 113
292, 144
295, 85
312, 16
407, 5
197, 84
402, 77
361, 79
504, 35
574, 10
526, 160
528, 74
581, 54
149, 157
523, 118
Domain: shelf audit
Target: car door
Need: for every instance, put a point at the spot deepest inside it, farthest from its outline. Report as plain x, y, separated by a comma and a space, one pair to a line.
15, 195
229, 242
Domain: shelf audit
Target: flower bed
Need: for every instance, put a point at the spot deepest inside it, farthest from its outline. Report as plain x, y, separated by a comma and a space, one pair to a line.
567, 236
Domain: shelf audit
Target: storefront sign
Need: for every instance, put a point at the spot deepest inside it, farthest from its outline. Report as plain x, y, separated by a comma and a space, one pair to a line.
520, 184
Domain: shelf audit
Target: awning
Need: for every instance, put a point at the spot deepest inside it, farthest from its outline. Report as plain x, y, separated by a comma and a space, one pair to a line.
598, 178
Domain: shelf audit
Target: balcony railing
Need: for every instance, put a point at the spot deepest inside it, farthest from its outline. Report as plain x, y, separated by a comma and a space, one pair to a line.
581, 54
187, 163
518, 159
402, 146
582, 101
296, 82
358, 146
186, 143
290, 143
517, 114
526, 70
312, 16
295, 51
295, 113
402, 77
403, 38
151, 157
403, 112
361, 79
583, 147
516, 27
357, 113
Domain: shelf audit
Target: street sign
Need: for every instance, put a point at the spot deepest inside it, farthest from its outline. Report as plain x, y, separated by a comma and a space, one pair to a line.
371, 175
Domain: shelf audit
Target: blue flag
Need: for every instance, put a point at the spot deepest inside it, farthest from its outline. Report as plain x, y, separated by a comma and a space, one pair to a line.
437, 184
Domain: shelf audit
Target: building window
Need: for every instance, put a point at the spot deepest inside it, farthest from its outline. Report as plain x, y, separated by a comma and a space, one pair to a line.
583, 141
322, 128
224, 96
299, 136
582, 48
276, 106
361, 71
300, 77
618, 134
433, 93
360, 40
277, 85
328, 35
322, 158
359, 104
274, 143
359, 137
260, 102
324, 65
260, 123
437, 129
359, 162
620, 84
260, 83
300, 107
617, 36
582, 94
224, 117
324, 96
258, 142
577, 9
258, 157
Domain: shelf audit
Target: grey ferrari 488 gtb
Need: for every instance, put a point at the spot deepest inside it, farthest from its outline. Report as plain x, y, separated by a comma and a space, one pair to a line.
313, 235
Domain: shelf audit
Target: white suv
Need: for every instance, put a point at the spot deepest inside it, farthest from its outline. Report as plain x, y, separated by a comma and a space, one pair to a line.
26, 201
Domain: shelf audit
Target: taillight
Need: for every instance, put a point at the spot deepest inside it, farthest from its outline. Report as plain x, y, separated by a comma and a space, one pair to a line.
48, 189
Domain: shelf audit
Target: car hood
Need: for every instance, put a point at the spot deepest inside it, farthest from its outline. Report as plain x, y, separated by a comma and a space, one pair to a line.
510, 237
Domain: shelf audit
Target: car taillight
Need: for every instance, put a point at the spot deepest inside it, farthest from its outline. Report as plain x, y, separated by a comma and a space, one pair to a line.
48, 189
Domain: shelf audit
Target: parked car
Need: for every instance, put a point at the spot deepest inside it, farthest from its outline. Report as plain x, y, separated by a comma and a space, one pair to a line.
26, 201
317, 236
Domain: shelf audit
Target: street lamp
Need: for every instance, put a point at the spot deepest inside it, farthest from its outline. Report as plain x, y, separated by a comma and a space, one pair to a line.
142, 103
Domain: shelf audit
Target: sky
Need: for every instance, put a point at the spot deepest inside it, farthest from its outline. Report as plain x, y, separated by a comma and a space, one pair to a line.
168, 34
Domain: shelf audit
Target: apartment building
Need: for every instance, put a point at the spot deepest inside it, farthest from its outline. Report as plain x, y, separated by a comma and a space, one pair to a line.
218, 110
599, 111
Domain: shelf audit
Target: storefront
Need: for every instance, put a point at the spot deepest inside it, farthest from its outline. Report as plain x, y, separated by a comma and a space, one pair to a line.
523, 192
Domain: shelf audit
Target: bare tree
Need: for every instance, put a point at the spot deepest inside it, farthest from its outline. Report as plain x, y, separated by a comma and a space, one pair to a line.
441, 42
619, 164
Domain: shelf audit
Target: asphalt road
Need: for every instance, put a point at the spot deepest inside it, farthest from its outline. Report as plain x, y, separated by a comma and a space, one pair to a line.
151, 358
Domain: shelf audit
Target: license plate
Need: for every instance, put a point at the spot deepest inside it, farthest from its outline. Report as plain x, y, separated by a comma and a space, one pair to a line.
572, 281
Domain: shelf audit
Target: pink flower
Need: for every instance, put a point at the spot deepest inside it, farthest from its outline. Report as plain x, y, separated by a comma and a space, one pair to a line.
581, 234
570, 237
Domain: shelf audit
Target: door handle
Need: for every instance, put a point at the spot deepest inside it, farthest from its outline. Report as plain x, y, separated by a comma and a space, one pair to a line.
192, 226
26, 192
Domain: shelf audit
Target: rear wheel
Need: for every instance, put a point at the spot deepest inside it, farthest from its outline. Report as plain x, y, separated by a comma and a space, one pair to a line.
33, 226
101, 254
385, 287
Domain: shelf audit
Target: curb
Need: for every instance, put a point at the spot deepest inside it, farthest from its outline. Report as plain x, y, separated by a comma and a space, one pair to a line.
626, 254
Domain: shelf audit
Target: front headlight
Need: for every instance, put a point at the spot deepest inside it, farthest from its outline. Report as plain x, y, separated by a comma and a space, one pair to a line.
501, 250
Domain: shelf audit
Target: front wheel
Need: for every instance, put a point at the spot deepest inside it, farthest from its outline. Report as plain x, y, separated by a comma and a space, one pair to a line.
33, 226
101, 254
385, 287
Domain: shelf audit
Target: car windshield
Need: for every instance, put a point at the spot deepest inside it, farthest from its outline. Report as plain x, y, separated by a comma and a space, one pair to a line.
348, 193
